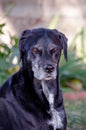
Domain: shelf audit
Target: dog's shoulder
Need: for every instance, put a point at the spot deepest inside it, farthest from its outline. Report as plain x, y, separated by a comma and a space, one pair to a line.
3, 115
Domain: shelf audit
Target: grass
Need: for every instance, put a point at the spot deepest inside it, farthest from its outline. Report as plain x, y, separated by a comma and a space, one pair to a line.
76, 114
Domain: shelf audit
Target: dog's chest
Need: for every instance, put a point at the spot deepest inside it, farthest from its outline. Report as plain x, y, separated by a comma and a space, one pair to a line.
55, 121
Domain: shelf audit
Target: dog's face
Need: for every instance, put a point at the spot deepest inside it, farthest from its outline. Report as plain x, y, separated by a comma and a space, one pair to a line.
42, 48
44, 57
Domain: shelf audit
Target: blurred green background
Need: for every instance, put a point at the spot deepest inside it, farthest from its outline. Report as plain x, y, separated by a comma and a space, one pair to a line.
68, 17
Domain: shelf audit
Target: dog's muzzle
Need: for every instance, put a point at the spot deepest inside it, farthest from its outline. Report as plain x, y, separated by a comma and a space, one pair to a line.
48, 68
46, 72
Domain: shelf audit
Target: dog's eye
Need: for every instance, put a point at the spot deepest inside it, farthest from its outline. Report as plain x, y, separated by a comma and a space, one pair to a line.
54, 51
36, 51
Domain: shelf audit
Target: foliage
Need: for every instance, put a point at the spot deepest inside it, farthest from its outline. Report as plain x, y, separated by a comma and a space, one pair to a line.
1, 26
78, 44
7, 55
53, 22
75, 69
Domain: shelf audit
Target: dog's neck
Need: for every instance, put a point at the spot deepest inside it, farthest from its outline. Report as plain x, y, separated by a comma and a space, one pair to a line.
49, 90
45, 90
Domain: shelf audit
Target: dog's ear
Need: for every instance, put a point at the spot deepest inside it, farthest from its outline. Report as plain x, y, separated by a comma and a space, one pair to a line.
22, 39
62, 38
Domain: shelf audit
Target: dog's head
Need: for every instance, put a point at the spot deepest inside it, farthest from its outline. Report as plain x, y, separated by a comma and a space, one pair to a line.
41, 48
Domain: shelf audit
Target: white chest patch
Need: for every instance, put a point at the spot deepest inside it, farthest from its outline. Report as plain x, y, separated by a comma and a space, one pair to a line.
56, 121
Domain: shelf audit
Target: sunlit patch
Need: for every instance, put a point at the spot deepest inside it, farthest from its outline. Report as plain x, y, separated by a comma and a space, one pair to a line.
15, 60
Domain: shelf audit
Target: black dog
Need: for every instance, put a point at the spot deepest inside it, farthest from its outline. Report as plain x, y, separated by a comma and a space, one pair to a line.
32, 99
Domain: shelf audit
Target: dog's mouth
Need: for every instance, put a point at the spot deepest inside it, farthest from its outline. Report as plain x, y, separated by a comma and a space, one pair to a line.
49, 77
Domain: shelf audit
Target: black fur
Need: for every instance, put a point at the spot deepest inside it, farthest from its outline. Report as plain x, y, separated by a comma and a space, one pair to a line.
23, 105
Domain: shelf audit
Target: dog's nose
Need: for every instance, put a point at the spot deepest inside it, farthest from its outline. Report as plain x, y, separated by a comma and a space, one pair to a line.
48, 68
